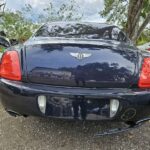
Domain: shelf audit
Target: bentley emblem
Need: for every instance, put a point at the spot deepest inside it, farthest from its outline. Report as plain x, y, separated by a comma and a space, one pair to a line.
80, 56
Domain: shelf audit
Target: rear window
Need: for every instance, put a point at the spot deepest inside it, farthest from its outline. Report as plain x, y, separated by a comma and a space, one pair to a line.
82, 31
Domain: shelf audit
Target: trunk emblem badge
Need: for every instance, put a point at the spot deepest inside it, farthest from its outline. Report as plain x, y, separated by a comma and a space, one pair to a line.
80, 56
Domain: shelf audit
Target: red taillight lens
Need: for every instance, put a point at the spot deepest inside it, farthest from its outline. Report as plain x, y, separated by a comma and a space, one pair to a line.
10, 66
144, 81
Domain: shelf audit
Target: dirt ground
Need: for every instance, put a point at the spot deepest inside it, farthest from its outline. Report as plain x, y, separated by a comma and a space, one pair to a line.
35, 133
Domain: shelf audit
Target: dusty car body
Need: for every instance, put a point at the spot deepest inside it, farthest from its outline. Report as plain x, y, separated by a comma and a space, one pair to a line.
83, 71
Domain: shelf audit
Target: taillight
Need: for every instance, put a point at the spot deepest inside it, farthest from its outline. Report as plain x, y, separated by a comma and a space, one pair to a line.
144, 81
10, 66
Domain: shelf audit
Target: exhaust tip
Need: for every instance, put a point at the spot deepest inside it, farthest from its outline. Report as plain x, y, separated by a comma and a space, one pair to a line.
13, 113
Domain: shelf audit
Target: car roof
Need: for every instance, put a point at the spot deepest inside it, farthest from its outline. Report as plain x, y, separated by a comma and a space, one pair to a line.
94, 24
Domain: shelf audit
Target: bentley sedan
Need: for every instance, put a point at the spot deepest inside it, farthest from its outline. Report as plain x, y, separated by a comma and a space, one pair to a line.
82, 71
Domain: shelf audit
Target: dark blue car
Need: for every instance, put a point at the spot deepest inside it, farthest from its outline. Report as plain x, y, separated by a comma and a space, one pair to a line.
82, 71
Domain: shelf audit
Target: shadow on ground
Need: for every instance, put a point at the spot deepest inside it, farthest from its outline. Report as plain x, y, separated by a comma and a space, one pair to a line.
44, 133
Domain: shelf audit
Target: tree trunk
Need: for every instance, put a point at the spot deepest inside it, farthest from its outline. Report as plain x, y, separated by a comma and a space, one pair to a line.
134, 12
141, 28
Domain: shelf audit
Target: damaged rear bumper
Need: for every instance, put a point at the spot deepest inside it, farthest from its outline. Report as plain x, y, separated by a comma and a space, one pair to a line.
75, 103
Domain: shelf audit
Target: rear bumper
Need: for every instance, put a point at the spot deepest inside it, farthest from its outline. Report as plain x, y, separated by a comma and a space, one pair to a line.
74, 103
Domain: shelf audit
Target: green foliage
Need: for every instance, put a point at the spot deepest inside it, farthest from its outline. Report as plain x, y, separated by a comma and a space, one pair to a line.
144, 38
146, 8
16, 26
19, 26
116, 11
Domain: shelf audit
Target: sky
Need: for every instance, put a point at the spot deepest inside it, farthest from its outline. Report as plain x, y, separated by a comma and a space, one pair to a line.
89, 8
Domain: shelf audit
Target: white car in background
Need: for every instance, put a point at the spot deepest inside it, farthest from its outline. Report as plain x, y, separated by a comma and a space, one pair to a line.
145, 47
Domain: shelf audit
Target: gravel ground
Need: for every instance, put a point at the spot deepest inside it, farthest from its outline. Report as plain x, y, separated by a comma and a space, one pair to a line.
41, 133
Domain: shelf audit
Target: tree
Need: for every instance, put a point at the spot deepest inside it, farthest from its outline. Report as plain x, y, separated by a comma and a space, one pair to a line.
16, 26
145, 37
132, 15
20, 26
2, 7
67, 11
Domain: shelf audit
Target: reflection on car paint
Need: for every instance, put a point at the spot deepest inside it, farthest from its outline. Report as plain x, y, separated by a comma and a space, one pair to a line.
78, 107
95, 71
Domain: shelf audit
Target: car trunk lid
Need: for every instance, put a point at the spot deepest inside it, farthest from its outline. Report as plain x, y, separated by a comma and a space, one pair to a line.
81, 64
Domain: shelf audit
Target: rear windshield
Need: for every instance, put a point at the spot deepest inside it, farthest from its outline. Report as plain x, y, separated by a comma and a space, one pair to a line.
82, 31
